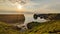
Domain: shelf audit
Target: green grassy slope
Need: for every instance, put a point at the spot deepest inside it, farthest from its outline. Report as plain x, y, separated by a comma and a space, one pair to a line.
7, 29
47, 27
42, 28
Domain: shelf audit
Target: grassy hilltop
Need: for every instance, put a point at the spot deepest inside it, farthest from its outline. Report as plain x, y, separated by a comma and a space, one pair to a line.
47, 27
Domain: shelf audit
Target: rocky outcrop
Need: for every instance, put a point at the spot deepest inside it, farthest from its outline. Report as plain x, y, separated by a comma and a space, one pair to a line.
50, 16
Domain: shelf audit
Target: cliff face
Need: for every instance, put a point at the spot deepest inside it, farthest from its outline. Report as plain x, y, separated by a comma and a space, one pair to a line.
12, 18
49, 16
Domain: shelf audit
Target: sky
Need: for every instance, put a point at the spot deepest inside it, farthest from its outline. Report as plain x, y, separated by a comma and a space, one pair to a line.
30, 6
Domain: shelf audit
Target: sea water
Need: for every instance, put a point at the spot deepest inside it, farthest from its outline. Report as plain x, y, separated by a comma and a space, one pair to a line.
29, 18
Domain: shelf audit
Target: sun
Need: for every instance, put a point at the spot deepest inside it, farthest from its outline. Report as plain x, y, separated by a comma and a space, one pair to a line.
19, 7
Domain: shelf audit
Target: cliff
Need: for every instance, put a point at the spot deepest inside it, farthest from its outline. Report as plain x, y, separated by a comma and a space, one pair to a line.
12, 18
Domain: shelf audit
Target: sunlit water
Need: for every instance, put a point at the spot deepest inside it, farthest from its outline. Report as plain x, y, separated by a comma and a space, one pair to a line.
29, 18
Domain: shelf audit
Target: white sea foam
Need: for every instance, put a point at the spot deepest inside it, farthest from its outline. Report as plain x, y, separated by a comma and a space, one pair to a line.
29, 18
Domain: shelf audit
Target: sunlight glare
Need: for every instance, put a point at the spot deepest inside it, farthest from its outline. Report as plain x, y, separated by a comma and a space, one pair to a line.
19, 6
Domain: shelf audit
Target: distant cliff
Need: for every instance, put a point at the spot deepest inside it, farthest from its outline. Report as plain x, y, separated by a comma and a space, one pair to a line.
54, 17
12, 18
50, 16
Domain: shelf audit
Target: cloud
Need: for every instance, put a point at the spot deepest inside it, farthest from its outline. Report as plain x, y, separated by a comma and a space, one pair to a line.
52, 6
36, 6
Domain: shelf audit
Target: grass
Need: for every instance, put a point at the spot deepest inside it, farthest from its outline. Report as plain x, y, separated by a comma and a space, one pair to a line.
47, 27
38, 28
7, 29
